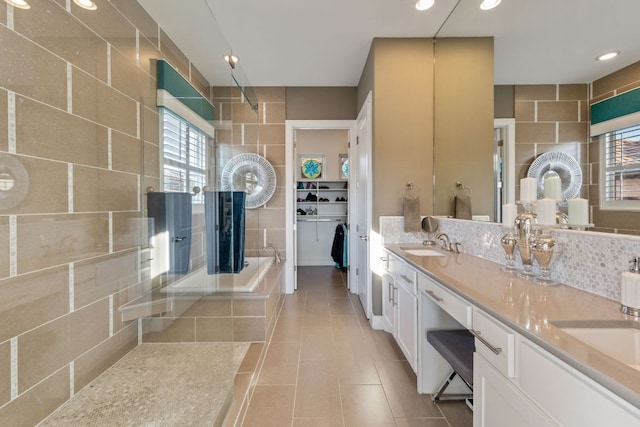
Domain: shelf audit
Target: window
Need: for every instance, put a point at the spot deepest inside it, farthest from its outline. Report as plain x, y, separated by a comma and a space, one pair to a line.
184, 155
620, 171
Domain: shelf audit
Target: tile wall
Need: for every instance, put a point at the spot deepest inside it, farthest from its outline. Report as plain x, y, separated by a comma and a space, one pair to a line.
592, 261
78, 146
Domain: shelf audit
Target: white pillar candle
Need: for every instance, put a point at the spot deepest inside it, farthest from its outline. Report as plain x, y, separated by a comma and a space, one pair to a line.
546, 212
509, 213
528, 190
553, 188
578, 211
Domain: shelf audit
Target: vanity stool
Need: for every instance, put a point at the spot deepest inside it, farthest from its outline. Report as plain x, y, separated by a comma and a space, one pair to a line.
456, 347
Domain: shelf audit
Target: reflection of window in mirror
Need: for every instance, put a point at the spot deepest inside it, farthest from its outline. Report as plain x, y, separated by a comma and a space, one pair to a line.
184, 154
620, 170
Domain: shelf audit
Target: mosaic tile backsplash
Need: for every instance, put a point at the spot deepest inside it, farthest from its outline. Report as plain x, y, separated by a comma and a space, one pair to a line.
591, 261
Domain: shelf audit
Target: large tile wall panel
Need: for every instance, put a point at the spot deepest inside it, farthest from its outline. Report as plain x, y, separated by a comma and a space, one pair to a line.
37, 403
49, 240
50, 347
139, 17
5, 372
171, 52
98, 190
31, 70
30, 300
4, 133
53, 28
4, 247
126, 153
97, 278
130, 79
100, 103
39, 127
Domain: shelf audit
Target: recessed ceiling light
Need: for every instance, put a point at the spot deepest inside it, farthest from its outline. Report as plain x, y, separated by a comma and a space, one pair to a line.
86, 4
489, 4
424, 4
607, 56
20, 4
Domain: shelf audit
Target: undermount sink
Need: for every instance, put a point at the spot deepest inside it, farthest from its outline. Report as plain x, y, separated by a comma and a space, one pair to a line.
422, 252
617, 339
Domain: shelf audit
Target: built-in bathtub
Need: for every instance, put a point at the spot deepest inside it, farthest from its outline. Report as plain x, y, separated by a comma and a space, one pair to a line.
201, 283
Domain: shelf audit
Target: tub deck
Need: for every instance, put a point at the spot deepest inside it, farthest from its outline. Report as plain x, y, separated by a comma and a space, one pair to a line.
184, 384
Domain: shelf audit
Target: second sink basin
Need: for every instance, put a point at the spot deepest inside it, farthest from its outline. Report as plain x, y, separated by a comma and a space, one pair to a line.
423, 252
619, 340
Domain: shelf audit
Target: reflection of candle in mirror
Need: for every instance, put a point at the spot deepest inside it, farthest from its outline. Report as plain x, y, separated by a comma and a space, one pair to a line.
578, 211
509, 213
553, 188
528, 190
546, 211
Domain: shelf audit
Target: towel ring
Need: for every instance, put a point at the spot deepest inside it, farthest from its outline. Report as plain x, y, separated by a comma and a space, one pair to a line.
460, 187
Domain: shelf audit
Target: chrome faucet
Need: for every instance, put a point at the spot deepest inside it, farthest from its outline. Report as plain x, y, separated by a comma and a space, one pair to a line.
442, 237
276, 253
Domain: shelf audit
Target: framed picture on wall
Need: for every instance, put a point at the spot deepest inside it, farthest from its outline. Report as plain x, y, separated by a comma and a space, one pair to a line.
343, 161
311, 166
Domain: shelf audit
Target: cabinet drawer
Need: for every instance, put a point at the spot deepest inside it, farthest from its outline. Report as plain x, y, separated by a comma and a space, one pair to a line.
495, 342
455, 306
403, 272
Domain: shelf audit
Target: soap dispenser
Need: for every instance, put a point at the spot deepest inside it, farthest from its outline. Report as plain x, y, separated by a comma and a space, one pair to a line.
631, 289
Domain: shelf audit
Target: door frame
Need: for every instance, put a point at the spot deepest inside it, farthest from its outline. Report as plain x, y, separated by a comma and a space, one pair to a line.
291, 126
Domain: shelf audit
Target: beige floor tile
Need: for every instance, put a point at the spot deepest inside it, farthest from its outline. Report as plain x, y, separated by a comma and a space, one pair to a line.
341, 306
366, 406
280, 364
422, 422
288, 330
321, 347
346, 328
399, 382
357, 371
318, 393
317, 422
240, 386
271, 406
383, 346
457, 414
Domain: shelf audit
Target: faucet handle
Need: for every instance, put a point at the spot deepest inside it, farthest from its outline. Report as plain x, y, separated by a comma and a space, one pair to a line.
456, 247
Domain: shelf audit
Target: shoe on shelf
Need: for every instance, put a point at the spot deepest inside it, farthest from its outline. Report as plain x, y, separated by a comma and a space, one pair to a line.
311, 197
324, 187
301, 212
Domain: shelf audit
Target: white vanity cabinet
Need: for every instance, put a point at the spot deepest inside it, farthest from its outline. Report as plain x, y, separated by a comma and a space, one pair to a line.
400, 306
497, 401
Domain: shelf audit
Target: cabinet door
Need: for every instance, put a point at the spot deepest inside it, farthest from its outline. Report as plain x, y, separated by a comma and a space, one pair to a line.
498, 403
388, 302
407, 322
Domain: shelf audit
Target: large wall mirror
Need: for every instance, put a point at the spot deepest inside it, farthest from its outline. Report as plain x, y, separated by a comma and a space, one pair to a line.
548, 92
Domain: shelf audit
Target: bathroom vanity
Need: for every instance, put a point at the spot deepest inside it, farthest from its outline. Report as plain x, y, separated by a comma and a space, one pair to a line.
543, 354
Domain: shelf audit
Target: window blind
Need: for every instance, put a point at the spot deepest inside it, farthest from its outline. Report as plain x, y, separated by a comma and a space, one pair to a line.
622, 164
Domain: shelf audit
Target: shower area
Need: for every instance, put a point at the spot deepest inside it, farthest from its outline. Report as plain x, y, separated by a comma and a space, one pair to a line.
131, 213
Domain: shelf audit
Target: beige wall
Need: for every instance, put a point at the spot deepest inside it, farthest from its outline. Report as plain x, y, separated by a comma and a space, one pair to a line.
611, 221
321, 103
403, 123
464, 123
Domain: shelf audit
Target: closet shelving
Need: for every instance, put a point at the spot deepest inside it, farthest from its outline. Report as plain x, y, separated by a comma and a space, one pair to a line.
325, 207
322, 201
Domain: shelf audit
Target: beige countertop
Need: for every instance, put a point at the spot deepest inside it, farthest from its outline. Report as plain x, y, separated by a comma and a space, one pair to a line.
532, 309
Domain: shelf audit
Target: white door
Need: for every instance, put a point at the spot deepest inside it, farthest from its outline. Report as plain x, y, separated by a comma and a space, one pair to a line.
360, 206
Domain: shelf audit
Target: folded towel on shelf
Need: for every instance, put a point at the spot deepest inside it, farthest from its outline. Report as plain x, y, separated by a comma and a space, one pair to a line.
411, 210
463, 207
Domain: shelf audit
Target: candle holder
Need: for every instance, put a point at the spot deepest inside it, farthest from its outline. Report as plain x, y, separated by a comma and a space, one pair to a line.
509, 242
543, 247
524, 224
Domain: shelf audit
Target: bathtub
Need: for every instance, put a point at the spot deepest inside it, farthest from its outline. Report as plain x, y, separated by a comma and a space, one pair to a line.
200, 283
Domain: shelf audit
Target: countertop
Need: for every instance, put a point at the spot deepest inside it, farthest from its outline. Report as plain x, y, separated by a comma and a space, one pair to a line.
531, 309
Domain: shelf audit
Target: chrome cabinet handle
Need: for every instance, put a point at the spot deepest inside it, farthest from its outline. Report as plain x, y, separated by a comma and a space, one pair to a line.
406, 279
495, 350
365, 238
178, 239
395, 291
390, 292
434, 296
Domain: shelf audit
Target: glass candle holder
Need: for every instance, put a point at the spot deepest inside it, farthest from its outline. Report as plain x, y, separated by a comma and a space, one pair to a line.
543, 247
525, 223
509, 243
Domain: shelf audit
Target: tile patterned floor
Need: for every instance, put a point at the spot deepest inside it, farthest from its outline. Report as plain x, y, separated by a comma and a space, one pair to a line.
325, 366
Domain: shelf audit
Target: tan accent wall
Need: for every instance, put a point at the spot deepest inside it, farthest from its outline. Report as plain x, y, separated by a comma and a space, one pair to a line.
321, 103
611, 221
403, 123
464, 123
